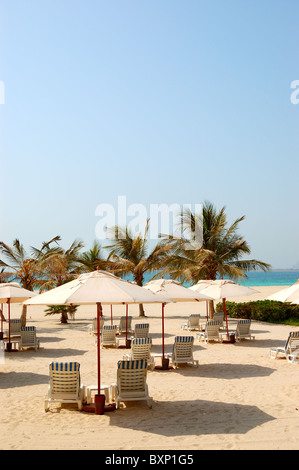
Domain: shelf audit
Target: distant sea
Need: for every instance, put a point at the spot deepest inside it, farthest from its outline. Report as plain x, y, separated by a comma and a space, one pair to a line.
271, 278
277, 277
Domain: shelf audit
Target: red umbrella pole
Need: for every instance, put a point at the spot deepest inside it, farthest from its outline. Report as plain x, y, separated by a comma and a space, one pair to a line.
99, 309
1, 318
127, 312
9, 343
225, 312
163, 349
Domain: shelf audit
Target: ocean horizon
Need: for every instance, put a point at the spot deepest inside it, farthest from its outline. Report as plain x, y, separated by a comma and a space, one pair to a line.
277, 277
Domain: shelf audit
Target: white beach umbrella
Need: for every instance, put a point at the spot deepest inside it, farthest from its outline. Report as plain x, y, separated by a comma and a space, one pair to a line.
176, 292
97, 288
199, 287
224, 288
288, 294
12, 292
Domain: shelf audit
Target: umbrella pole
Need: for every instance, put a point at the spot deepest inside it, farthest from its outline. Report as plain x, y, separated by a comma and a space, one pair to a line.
99, 400
99, 347
127, 311
111, 314
1, 318
225, 312
163, 349
9, 343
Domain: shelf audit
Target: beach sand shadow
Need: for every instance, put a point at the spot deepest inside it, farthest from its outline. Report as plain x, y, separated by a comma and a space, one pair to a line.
21, 379
52, 354
189, 417
225, 371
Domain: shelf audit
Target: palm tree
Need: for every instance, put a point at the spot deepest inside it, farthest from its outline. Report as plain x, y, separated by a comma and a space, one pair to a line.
21, 267
94, 258
221, 253
130, 254
62, 266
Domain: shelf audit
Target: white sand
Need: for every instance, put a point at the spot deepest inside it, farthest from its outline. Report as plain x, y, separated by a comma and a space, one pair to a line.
238, 398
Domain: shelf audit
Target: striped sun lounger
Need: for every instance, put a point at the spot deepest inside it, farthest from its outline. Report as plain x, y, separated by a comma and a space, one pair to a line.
108, 336
131, 382
243, 330
64, 384
141, 330
93, 328
182, 352
141, 349
15, 327
193, 323
291, 346
122, 325
28, 338
211, 332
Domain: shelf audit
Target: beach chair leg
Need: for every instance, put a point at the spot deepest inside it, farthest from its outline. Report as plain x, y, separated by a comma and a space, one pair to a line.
273, 353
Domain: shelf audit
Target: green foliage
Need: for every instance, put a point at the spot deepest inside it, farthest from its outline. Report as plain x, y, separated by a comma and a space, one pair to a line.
263, 310
63, 310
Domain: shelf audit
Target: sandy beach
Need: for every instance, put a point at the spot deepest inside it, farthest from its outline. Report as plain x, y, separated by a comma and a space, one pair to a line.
238, 397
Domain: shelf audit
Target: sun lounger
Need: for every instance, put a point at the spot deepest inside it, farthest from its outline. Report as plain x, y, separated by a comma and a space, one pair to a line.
182, 352
193, 323
122, 326
15, 327
141, 330
141, 349
28, 338
64, 386
108, 336
93, 328
290, 348
219, 316
131, 382
211, 332
243, 330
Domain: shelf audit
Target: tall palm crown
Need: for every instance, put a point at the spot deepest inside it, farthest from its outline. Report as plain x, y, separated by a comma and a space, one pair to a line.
221, 253
130, 254
62, 266
94, 258
23, 267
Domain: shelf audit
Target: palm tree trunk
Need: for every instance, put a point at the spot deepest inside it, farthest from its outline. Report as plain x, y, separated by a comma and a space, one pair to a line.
141, 310
139, 281
64, 318
211, 309
24, 316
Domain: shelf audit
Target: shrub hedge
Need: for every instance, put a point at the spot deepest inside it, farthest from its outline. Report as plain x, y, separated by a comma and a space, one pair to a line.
263, 310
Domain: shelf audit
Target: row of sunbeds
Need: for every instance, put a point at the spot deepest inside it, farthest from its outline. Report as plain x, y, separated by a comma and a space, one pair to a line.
65, 384
214, 330
23, 337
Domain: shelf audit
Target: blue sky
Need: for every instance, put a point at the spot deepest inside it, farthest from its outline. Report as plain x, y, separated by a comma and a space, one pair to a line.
159, 101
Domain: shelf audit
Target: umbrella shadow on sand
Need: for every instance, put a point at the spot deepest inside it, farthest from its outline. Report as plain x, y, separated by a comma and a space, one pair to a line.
50, 339
21, 379
225, 371
52, 354
190, 417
